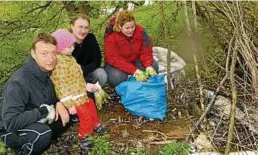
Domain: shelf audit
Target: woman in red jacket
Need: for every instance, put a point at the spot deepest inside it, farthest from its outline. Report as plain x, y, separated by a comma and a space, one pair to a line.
128, 50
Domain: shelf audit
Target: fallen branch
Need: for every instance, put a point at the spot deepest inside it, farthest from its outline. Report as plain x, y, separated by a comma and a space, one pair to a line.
161, 142
154, 131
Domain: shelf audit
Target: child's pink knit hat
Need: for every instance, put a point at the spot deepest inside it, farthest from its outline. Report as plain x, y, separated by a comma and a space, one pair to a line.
64, 38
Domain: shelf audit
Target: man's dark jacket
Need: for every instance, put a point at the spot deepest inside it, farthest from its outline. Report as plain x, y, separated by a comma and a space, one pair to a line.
23, 93
88, 54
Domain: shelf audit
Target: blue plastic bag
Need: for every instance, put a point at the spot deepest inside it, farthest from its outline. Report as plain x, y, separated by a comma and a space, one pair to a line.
146, 99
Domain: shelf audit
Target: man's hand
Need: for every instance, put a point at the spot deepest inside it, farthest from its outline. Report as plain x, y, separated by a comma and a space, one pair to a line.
50, 116
140, 75
62, 111
150, 71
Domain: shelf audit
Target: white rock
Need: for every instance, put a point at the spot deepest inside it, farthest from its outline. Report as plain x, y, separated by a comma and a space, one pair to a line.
224, 105
202, 143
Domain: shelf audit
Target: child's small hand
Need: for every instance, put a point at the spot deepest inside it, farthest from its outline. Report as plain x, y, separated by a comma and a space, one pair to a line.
72, 110
97, 86
92, 87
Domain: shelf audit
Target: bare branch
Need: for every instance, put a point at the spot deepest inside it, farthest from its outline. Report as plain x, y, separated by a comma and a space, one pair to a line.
234, 100
41, 7
166, 34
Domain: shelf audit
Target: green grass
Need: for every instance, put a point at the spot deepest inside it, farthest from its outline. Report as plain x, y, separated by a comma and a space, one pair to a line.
101, 145
175, 148
2, 147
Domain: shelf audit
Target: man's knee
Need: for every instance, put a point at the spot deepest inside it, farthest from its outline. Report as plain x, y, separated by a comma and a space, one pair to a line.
115, 76
38, 146
39, 140
33, 139
43, 143
102, 75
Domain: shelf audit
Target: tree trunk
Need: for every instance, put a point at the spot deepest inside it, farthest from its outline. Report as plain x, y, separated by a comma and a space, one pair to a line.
166, 34
234, 100
194, 57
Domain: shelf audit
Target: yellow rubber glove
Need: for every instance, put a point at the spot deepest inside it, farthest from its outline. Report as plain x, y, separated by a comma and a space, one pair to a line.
101, 97
105, 96
140, 75
150, 71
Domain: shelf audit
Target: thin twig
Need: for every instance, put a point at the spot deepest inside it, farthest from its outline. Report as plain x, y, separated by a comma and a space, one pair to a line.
209, 106
42, 7
161, 142
234, 100
154, 131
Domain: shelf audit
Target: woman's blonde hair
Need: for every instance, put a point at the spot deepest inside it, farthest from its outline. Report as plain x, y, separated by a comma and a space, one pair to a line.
121, 18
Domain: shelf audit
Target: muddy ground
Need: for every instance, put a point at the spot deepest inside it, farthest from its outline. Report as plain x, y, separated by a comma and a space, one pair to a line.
128, 131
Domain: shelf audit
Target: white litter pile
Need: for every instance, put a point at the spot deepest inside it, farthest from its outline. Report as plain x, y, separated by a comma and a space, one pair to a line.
177, 64
203, 146
177, 72
231, 153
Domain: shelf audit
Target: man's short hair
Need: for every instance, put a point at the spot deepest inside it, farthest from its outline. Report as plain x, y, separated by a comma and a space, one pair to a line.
46, 38
80, 16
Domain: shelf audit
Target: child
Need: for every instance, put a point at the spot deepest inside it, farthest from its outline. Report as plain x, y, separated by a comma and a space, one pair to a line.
71, 87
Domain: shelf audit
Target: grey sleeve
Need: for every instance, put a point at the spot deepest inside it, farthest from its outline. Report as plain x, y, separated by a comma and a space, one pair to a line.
13, 109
